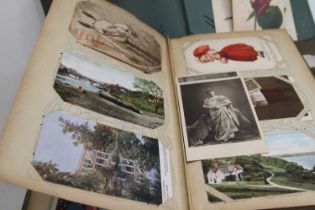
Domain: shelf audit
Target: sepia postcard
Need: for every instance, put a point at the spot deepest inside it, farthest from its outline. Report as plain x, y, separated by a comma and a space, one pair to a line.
95, 27
94, 157
263, 14
101, 88
274, 98
218, 116
237, 54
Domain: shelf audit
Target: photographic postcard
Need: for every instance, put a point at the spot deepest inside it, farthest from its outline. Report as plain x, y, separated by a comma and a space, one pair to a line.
287, 168
217, 116
232, 54
97, 28
274, 98
94, 157
223, 15
101, 88
263, 14
246, 177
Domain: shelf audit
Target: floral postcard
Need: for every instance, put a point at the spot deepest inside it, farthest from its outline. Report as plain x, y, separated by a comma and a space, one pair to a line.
263, 14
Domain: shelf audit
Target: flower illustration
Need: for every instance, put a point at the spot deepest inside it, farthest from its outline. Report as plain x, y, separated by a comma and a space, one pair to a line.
266, 16
260, 5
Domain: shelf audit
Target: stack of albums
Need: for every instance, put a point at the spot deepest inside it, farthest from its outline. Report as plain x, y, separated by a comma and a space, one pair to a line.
112, 114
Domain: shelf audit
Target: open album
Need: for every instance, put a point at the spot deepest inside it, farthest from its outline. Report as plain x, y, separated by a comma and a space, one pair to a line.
112, 114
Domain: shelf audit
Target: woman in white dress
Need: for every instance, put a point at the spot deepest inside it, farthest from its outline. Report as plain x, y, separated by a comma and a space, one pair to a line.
223, 115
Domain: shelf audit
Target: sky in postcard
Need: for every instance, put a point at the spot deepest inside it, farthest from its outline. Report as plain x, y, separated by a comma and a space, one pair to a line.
97, 71
57, 147
307, 161
289, 142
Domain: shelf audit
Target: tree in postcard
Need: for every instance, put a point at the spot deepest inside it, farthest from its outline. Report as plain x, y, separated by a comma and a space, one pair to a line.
118, 143
46, 168
151, 89
111, 140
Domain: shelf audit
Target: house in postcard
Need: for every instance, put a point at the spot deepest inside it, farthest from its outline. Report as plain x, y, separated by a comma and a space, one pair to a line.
228, 172
92, 160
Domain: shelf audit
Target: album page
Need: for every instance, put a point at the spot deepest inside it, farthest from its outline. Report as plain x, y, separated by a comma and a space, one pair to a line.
246, 111
95, 118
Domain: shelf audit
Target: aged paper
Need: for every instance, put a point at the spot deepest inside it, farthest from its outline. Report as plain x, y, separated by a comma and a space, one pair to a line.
38, 98
273, 14
237, 54
218, 119
297, 82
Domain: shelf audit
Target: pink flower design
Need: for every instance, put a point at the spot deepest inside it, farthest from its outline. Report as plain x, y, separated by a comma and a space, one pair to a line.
260, 5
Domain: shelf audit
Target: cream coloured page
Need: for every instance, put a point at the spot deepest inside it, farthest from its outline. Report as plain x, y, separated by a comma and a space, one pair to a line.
37, 100
297, 74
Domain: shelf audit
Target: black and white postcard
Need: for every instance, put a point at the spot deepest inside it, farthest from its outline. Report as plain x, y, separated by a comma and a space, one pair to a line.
217, 116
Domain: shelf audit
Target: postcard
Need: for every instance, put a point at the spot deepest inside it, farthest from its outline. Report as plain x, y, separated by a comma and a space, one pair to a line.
263, 14
217, 116
237, 54
287, 168
106, 90
274, 98
246, 177
95, 27
223, 15
95, 157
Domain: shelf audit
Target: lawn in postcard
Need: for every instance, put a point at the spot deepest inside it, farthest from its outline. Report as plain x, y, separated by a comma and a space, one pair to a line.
104, 89
288, 168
